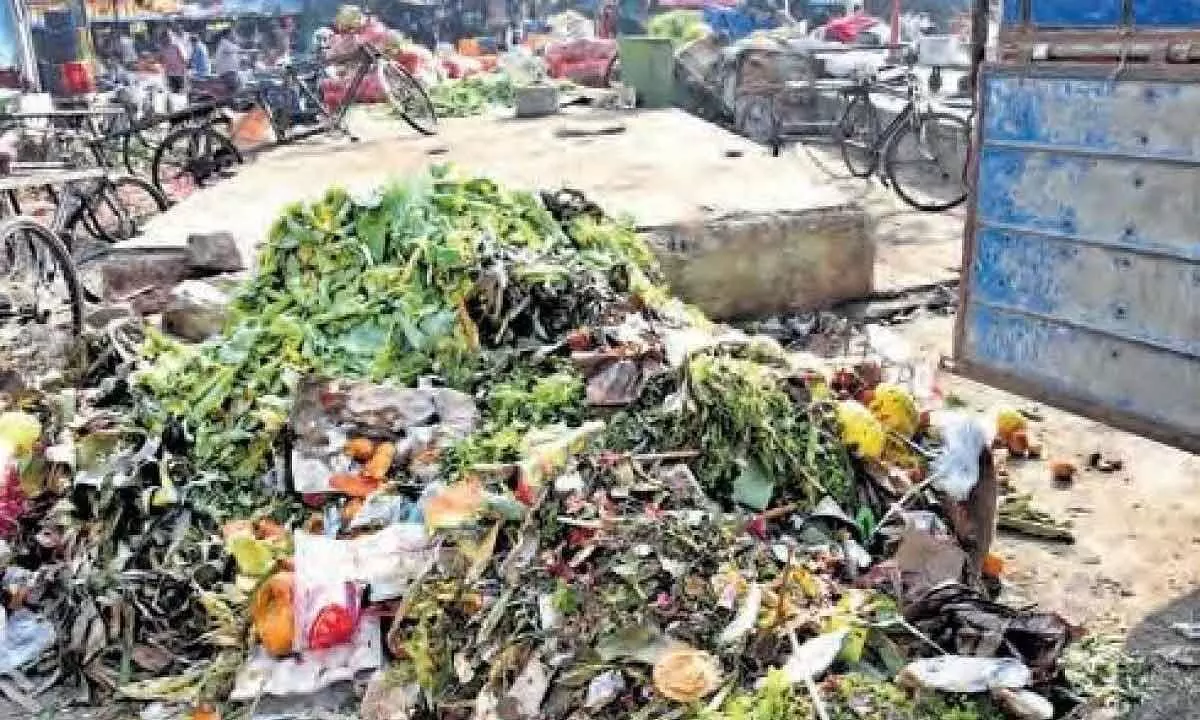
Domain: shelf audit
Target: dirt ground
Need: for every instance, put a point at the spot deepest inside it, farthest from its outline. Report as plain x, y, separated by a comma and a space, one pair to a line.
1137, 530
1133, 566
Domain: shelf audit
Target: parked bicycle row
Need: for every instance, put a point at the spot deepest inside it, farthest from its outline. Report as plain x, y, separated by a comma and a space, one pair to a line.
75, 181
177, 152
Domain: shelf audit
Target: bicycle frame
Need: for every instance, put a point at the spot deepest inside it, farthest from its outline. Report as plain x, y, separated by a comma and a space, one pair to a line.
332, 119
888, 135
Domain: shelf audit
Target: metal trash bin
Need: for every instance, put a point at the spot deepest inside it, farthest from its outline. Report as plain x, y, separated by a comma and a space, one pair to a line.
648, 65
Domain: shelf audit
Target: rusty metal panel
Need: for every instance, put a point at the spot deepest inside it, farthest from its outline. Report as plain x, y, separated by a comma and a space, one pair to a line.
1082, 262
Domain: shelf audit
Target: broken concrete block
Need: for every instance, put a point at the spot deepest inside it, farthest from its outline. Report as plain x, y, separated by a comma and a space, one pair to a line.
100, 316
197, 310
140, 276
215, 252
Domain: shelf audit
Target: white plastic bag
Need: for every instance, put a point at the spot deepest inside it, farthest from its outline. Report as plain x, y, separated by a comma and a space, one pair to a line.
964, 674
956, 471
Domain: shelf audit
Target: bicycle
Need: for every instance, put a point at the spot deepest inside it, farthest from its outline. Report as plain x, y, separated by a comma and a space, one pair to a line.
193, 156
110, 207
41, 295
935, 145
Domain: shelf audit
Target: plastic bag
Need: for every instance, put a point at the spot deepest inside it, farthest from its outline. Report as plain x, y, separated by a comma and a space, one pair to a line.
311, 670
23, 638
253, 129
385, 562
964, 674
521, 65
956, 471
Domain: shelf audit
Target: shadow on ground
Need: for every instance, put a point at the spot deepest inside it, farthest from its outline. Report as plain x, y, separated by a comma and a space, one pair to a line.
1174, 689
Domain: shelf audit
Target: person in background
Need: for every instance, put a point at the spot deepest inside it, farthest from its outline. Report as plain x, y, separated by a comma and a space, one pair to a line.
276, 42
632, 16
228, 59
126, 50
174, 60
199, 62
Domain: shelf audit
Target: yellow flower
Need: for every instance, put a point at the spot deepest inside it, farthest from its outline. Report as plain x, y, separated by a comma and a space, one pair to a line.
896, 409
861, 429
686, 675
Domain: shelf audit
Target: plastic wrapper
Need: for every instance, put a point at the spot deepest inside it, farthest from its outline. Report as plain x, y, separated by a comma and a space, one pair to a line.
23, 638
386, 562
964, 674
310, 670
328, 414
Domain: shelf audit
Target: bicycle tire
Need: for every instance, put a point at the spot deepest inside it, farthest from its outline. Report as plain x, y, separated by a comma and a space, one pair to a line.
905, 189
400, 87
60, 256
859, 118
137, 201
206, 154
92, 213
139, 146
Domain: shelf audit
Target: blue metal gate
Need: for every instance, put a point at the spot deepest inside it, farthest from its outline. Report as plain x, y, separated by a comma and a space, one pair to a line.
1082, 262
1077, 14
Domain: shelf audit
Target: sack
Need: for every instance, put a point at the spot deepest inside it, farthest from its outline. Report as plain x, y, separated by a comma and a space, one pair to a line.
253, 129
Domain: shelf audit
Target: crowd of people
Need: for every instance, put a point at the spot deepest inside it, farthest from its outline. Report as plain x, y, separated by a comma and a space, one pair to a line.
185, 56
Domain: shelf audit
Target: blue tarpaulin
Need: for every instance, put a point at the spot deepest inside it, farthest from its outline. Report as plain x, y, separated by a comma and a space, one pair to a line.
736, 23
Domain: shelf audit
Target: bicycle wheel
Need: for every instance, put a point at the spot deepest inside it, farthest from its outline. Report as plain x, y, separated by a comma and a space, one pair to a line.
857, 134
190, 158
118, 209
41, 302
137, 152
927, 161
407, 97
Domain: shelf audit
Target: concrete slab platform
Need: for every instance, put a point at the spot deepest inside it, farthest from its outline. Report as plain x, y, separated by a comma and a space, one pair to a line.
740, 233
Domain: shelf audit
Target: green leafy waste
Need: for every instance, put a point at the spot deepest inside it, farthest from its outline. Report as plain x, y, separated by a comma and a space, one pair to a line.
420, 278
453, 277
848, 697
757, 441
681, 26
472, 95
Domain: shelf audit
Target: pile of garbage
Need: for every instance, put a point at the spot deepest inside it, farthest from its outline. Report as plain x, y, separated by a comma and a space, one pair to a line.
459, 454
